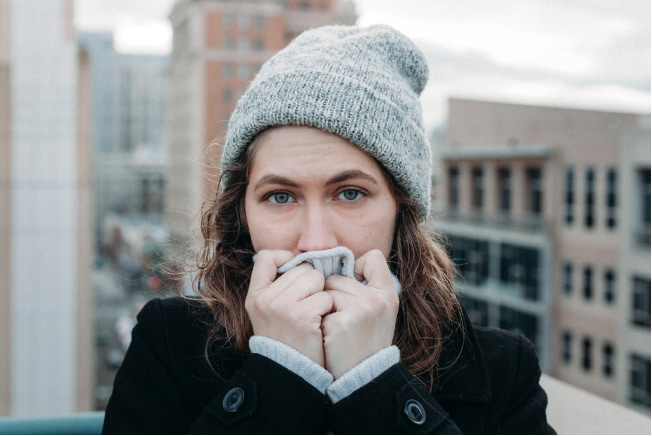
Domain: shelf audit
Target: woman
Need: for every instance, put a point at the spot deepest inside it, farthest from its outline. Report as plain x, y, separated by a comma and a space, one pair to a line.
325, 306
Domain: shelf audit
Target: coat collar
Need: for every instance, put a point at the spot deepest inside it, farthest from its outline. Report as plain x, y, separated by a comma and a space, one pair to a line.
462, 373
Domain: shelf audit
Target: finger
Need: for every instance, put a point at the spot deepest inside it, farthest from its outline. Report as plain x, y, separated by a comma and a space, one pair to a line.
320, 303
373, 267
344, 284
266, 266
298, 283
342, 300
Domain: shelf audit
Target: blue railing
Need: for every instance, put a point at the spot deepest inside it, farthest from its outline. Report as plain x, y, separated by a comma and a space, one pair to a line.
80, 423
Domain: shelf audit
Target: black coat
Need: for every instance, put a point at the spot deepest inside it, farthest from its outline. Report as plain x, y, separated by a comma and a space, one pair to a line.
489, 384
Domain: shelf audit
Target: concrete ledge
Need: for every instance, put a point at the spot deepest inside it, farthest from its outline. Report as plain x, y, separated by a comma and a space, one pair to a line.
574, 411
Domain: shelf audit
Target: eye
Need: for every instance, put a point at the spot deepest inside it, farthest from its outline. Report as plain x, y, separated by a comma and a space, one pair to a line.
279, 197
350, 194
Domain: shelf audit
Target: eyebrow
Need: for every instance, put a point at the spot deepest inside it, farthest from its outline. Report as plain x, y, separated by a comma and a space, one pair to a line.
338, 178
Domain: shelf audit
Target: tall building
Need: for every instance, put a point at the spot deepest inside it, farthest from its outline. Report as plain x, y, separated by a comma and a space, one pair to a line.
547, 211
218, 46
129, 95
45, 212
142, 95
103, 61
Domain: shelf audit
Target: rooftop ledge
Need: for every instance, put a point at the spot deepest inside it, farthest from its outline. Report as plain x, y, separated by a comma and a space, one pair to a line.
570, 411
575, 411
496, 152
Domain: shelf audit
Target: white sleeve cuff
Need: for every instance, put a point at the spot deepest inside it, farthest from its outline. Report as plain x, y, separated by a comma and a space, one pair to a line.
292, 360
363, 373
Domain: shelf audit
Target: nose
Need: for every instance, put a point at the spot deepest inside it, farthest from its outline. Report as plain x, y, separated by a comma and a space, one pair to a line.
316, 232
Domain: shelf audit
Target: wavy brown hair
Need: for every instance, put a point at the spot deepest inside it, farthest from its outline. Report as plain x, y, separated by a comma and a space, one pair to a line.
429, 310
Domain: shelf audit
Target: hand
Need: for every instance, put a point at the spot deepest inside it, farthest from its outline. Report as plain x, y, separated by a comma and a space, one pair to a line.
364, 316
289, 308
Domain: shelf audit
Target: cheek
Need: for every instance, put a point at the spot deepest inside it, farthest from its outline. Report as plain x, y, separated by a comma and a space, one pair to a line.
375, 231
265, 232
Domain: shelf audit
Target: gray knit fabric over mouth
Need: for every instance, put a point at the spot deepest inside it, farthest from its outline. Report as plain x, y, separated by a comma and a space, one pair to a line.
362, 84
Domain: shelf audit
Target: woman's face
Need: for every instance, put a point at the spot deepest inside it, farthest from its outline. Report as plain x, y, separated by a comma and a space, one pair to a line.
311, 190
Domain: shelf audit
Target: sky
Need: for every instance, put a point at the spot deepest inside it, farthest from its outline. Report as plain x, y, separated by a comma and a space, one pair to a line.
587, 54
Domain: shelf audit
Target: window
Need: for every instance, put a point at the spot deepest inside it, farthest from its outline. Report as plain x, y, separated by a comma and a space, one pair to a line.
570, 195
243, 21
641, 302
477, 183
639, 381
227, 20
520, 322
608, 360
243, 71
643, 206
586, 354
609, 286
227, 70
568, 278
471, 257
228, 43
519, 267
535, 190
259, 45
588, 282
304, 5
453, 187
611, 201
589, 198
227, 96
260, 21
477, 310
243, 43
504, 195
566, 346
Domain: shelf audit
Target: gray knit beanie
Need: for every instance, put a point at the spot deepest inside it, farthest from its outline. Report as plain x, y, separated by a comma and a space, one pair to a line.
361, 84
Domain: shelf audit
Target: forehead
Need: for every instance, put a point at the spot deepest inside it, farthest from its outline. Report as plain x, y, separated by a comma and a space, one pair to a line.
300, 149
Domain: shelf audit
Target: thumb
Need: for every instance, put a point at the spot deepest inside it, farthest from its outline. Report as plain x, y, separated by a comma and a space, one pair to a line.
372, 266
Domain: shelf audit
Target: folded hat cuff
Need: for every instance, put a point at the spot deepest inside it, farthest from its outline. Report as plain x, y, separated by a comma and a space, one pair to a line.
343, 106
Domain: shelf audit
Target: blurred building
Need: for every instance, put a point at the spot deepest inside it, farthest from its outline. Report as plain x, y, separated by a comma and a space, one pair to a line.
131, 184
104, 71
129, 131
45, 212
218, 46
547, 211
142, 101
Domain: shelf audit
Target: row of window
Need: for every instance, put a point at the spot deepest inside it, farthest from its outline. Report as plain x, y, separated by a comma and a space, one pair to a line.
244, 43
518, 267
534, 194
534, 189
639, 366
640, 290
588, 285
482, 313
611, 195
243, 21
244, 71
587, 360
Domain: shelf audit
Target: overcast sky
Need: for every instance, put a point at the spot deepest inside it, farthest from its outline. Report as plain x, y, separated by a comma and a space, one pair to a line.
591, 54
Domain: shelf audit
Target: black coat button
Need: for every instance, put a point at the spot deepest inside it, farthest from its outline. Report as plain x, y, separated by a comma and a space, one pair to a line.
233, 400
415, 412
